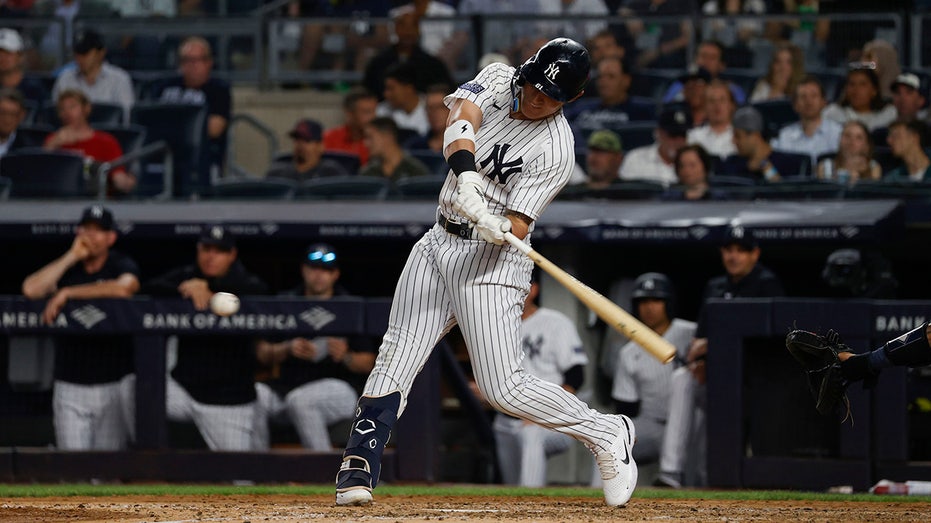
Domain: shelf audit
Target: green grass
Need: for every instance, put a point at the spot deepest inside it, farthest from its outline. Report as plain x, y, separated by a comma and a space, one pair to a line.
87, 490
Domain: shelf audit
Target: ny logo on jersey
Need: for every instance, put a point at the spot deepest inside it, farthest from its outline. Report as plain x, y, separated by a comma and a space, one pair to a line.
532, 346
502, 169
551, 71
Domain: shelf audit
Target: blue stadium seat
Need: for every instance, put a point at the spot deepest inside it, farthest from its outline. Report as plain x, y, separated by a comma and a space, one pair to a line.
131, 138
45, 174
33, 135
349, 161
184, 128
252, 189
635, 134
101, 113
800, 188
776, 114
420, 187
352, 187
434, 161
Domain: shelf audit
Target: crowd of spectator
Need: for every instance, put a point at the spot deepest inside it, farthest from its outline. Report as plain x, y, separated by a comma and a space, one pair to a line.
407, 65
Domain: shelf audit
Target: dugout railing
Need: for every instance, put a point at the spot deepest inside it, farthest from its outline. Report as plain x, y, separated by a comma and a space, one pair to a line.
412, 456
763, 431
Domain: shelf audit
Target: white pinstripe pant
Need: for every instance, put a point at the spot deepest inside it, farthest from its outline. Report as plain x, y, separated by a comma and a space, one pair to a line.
223, 427
522, 449
311, 408
94, 417
482, 286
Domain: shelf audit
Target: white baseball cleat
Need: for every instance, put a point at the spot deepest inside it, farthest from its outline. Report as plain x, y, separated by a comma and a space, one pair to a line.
354, 496
617, 466
354, 482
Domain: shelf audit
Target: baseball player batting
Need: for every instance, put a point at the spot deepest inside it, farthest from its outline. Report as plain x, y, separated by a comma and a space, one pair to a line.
510, 151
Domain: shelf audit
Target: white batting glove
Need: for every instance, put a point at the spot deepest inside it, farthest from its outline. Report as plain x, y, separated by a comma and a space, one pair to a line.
492, 227
470, 196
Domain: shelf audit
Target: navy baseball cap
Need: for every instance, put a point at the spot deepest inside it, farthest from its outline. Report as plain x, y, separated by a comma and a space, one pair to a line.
87, 40
737, 234
307, 129
99, 215
321, 255
675, 122
218, 236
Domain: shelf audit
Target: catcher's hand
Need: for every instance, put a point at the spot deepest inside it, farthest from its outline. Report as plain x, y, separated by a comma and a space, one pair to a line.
819, 357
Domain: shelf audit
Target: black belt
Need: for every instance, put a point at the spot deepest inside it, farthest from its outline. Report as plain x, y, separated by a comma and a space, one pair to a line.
462, 230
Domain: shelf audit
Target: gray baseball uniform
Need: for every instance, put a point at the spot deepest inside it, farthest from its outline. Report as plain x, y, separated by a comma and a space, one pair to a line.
551, 346
639, 377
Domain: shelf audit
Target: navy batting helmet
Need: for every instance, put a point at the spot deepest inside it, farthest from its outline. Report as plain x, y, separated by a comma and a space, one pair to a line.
654, 285
559, 69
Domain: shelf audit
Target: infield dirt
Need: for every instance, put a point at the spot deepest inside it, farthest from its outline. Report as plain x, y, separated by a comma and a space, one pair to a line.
276, 508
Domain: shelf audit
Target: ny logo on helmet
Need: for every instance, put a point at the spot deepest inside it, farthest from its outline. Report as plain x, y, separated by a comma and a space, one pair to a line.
551, 71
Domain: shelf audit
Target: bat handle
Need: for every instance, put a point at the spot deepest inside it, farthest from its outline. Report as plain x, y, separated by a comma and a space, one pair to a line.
517, 242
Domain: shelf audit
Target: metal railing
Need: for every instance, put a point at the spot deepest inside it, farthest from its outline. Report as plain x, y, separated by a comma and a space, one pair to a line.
104, 170
269, 49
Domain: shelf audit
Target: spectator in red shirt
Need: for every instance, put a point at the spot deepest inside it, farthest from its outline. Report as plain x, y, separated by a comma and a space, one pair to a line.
76, 134
359, 109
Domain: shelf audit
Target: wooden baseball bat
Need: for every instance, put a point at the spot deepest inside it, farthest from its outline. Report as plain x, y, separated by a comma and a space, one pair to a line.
619, 319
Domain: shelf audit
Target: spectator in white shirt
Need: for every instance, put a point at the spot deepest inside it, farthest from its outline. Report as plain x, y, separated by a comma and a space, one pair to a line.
717, 135
656, 162
99, 80
862, 100
812, 134
403, 103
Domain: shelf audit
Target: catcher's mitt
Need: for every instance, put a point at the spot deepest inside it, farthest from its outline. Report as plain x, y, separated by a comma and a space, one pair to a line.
818, 355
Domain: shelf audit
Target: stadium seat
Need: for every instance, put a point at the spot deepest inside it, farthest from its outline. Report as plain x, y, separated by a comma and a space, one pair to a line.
913, 191
33, 135
634, 134
131, 138
32, 109
800, 188
252, 189
352, 187
184, 128
420, 187
776, 114
619, 190
434, 161
651, 84
5, 184
349, 161
45, 174
101, 113
736, 187
746, 79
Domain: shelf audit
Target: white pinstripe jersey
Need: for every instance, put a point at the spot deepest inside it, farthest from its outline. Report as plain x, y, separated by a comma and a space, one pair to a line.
525, 163
640, 377
551, 345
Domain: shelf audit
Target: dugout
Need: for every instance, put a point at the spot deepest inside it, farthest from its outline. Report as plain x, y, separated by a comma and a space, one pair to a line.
597, 241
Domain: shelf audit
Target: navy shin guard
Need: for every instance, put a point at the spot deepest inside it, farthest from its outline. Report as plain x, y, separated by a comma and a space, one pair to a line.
371, 429
910, 349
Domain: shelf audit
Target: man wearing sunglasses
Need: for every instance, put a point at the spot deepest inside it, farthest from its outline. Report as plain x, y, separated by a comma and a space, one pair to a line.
317, 381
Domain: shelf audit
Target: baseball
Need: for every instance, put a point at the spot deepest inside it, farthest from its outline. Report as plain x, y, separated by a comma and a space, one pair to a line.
224, 304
